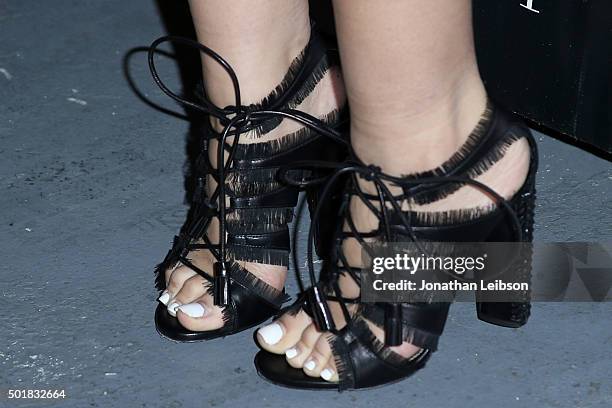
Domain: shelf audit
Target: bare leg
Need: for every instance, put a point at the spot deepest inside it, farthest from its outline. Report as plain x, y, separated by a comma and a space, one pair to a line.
259, 41
415, 95
428, 93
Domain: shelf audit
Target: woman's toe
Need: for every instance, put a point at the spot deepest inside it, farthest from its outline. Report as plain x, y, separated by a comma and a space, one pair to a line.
283, 333
175, 283
329, 373
165, 297
304, 346
296, 354
191, 289
318, 358
200, 315
323, 347
314, 363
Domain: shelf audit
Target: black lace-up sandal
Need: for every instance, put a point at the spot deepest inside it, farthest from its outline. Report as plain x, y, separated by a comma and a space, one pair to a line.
362, 361
253, 206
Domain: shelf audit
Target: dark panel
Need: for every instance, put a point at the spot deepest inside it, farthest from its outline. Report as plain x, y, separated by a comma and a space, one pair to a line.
553, 66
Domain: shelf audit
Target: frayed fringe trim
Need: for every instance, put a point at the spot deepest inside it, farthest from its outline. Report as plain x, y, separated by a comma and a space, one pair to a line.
264, 256
292, 309
276, 146
252, 182
361, 330
412, 335
257, 287
280, 89
228, 313
316, 75
343, 362
452, 216
310, 84
468, 147
250, 282
160, 278
160, 270
489, 159
492, 156
245, 218
250, 229
291, 75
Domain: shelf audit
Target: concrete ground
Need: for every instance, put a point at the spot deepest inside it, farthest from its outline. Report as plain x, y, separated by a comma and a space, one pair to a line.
91, 193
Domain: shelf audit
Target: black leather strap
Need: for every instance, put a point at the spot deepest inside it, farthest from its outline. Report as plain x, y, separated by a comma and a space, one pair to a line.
422, 323
314, 148
500, 120
279, 198
273, 240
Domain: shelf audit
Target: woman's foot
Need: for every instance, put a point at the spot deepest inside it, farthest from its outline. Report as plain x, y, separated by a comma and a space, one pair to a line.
187, 295
295, 335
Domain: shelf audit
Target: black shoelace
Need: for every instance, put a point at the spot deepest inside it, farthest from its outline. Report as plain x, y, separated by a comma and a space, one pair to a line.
236, 120
317, 295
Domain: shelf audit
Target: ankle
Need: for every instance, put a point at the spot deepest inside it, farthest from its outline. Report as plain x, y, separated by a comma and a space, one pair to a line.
419, 139
260, 66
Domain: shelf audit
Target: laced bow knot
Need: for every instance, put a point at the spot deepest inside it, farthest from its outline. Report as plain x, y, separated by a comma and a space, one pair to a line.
372, 173
240, 117
243, 120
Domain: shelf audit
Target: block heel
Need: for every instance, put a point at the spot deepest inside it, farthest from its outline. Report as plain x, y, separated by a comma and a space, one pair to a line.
516, 313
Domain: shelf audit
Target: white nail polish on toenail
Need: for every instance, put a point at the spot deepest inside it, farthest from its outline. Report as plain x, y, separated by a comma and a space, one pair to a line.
193, 310
327, 374
172, 308
310, 365
291, 353
271, 333
165, 297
